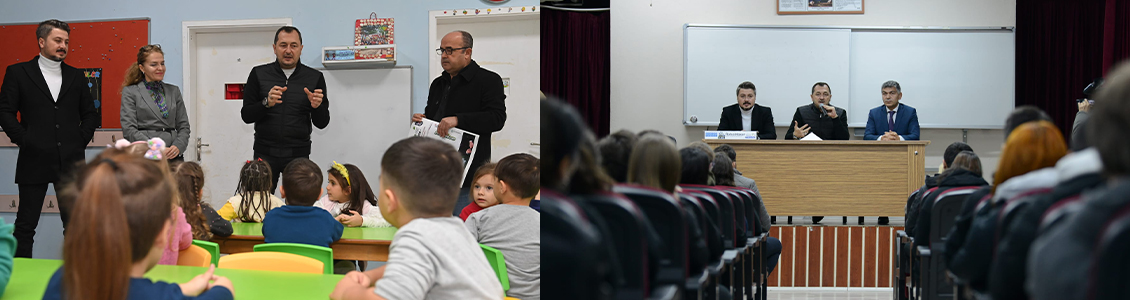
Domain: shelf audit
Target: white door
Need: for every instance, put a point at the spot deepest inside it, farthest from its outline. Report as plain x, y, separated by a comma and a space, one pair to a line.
509, 46
221, 58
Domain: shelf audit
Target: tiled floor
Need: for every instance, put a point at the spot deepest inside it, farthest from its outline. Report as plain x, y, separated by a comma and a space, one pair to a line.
827, 294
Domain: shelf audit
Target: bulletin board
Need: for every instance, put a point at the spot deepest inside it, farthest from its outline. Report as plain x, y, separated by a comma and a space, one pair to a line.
103, 50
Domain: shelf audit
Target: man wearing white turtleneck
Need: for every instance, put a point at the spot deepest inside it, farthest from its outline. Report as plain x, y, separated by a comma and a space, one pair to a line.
57, 121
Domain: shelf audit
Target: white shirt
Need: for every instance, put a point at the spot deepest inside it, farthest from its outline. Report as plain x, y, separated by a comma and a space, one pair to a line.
287, 72
894, 118
370, 216
53, 74
746, 118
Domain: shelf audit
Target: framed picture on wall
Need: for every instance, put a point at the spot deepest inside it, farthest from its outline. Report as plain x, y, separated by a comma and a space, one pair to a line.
808, 7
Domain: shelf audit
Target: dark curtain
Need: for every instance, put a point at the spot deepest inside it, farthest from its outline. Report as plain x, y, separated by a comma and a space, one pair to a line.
1061, 46
574, 62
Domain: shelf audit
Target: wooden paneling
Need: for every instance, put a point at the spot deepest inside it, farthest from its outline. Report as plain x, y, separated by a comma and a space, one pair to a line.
885, 259
800, 264
815, 260
842, 242
870, 256
785, 170
828, 260
855, 257
787, 257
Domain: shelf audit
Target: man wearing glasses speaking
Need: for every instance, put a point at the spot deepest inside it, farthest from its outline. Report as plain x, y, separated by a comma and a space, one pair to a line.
465, 96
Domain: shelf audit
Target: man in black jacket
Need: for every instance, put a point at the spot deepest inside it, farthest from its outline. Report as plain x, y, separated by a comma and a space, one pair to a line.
821, 118
57, 121
283, 99
465, 96
747, 115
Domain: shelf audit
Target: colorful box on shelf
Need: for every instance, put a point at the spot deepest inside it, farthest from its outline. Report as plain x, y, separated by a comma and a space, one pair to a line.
352, 57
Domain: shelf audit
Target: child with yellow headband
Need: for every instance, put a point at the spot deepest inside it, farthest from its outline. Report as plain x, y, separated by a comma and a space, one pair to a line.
350, 199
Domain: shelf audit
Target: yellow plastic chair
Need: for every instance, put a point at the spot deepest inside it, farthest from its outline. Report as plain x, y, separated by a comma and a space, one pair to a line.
272, 261
194, 256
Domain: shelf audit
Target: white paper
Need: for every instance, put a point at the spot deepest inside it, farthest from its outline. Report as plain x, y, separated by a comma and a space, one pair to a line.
812, 137
464, 142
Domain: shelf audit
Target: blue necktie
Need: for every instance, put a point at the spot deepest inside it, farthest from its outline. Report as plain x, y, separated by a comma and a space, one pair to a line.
890, 121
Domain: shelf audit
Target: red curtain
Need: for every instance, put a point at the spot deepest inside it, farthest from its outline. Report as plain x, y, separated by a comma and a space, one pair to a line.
574, 62
1061, 46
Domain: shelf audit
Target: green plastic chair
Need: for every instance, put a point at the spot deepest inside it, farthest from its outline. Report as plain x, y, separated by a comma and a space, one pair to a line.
322, 254
212, 248
494, 257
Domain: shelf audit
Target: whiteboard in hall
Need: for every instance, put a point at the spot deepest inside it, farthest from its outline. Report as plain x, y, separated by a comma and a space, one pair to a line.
370, 109
782, 63
954, 79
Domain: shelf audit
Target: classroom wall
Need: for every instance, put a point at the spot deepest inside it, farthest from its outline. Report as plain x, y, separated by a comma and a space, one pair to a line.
647, 53
322, 24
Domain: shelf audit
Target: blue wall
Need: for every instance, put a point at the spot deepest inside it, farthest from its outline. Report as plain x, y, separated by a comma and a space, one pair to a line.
322, 25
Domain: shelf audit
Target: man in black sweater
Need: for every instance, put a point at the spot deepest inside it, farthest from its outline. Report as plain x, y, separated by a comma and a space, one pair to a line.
283, 99
820, 118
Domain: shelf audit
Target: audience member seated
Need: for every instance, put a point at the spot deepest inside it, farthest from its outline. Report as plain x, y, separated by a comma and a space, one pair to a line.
964, 172
614, 151
914, 202
1059, 260
1025, 172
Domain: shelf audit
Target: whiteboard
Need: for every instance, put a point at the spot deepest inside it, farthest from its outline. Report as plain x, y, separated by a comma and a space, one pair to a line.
783, 63
954, 79
371, 110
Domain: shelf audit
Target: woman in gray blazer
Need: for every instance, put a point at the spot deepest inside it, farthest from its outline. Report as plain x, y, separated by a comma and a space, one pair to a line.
152, 108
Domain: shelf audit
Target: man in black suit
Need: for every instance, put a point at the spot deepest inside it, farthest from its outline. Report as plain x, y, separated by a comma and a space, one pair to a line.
57, 121
468, 97
819, 118
747, 115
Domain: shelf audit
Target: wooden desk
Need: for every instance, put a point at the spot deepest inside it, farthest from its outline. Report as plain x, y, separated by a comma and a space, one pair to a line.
30, 277
832, 178
357, 243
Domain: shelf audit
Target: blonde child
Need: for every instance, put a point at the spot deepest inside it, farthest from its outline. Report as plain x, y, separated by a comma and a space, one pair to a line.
253, 197
483, 190
348, 193
123, 217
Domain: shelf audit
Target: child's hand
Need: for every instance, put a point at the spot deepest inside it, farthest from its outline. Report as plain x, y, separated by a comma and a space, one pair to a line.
224, 282
198, 284
354, 220
353, 282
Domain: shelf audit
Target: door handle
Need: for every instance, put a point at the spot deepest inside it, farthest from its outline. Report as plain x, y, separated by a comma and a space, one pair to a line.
198, 146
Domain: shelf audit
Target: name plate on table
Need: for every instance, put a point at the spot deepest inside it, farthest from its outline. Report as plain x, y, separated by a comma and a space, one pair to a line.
731, 135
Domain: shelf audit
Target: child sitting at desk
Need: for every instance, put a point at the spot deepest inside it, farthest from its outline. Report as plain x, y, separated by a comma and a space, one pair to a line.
513, 227
122, 220
483, 189
254, 197
432, 256
350, 199
299, 221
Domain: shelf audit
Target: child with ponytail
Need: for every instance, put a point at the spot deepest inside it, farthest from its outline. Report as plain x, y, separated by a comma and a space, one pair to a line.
253, 198
122, 220
205, 222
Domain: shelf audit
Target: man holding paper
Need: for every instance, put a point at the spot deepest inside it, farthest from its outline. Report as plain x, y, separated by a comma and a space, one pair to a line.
820, 118
468, 97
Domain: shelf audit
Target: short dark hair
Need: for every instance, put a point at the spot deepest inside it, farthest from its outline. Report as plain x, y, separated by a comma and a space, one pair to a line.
953, 150
746, 86
45, 28
302, 181
288, 29
696, 166
425, 173
820, 84
468, 41
888, 84
1021, 115
1111, 118
521, 172
728, 150
615, 151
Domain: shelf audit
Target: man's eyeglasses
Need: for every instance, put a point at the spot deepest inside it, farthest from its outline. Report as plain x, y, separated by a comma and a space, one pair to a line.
449, 50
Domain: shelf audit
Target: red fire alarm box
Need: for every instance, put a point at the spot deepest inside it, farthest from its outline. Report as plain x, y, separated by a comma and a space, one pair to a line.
233, 91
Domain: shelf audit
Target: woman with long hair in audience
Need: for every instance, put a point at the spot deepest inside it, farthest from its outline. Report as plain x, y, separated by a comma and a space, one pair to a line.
1025, 172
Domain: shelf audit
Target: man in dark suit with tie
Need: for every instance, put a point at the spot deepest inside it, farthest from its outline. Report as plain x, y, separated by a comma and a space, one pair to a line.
57, 121
892, 121
747, 115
